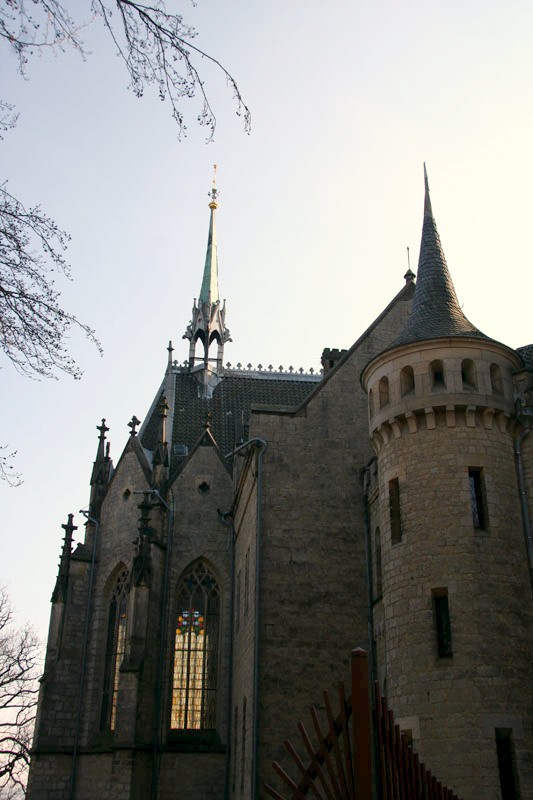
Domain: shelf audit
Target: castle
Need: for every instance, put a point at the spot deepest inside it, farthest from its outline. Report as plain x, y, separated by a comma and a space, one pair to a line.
259, 525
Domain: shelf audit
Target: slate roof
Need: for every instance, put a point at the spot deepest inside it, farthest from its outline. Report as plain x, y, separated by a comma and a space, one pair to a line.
436, 311
228, 408
526, 353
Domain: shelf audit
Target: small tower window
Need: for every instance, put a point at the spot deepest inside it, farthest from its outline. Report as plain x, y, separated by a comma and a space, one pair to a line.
407, 381
442, 622
195, 651
116, 641
478, 498
377, 555
383, 392
496, 379
437, 375
371, 402
394, 509
468, 374
507, 764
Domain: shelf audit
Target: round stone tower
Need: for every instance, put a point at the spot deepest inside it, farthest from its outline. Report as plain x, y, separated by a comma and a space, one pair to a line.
453, 600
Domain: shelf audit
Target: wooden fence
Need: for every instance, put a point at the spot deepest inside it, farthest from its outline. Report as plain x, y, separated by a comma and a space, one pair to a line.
340, 766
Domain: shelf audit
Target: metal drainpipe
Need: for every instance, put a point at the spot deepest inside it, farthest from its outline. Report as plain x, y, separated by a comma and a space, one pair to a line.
526, 522
370, 622
227, 520
162, 645
85, 645
261, 446
370, 588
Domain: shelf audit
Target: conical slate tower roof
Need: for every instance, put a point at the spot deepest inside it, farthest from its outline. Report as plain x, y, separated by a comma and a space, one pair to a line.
436, 312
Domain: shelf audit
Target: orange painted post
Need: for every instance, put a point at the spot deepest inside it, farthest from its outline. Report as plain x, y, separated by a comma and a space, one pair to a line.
362, 742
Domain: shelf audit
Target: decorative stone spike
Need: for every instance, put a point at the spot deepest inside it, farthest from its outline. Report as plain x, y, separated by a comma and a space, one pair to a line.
60, 590
133, 425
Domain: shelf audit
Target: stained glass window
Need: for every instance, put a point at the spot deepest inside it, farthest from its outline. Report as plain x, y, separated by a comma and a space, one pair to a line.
196, 651
116, 641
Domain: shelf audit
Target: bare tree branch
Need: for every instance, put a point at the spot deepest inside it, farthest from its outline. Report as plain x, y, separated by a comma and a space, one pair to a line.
7, 470
20, 664
33, 326
154, 44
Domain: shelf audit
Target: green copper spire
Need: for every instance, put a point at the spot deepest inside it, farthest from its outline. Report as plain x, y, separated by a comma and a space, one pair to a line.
209, 290
207, 328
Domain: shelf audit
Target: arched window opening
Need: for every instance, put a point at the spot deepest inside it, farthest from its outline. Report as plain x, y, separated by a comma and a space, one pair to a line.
214, 348
116, 641
195, 651
383, 392
407, 381
468, 374
437, 375
371, 402
496, 379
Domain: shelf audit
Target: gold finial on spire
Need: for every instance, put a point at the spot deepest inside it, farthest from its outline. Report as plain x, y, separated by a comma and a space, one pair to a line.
213, 194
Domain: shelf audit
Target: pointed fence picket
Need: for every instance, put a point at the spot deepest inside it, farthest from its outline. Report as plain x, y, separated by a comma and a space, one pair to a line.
339, 766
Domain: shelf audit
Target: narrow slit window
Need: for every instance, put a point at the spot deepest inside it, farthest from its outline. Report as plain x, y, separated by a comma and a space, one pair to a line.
243, 744
235, 737
507, 764
478, 499
247, 582
238, 602
442, 623
377, 551
394, 509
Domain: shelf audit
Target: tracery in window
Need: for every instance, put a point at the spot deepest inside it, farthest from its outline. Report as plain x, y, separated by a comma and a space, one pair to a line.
116, 641
195, 651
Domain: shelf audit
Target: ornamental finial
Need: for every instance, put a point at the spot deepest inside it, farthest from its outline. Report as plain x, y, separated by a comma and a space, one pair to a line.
213, 194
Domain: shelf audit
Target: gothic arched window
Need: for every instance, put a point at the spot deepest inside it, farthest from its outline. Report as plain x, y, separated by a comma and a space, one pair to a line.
116, 641
195, 651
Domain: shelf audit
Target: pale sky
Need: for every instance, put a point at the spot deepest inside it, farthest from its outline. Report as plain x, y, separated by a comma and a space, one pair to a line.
317, 208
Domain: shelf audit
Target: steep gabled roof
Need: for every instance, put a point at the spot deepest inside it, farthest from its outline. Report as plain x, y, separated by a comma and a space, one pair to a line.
228, 410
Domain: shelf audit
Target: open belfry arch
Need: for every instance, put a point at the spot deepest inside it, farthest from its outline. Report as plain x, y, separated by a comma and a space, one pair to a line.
259, 524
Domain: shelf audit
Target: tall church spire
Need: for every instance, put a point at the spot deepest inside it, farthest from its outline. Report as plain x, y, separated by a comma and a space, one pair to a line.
436, 311
209, 290
208, 323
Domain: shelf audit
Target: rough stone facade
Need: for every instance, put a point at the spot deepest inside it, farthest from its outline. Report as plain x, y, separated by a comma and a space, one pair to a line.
261, 525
